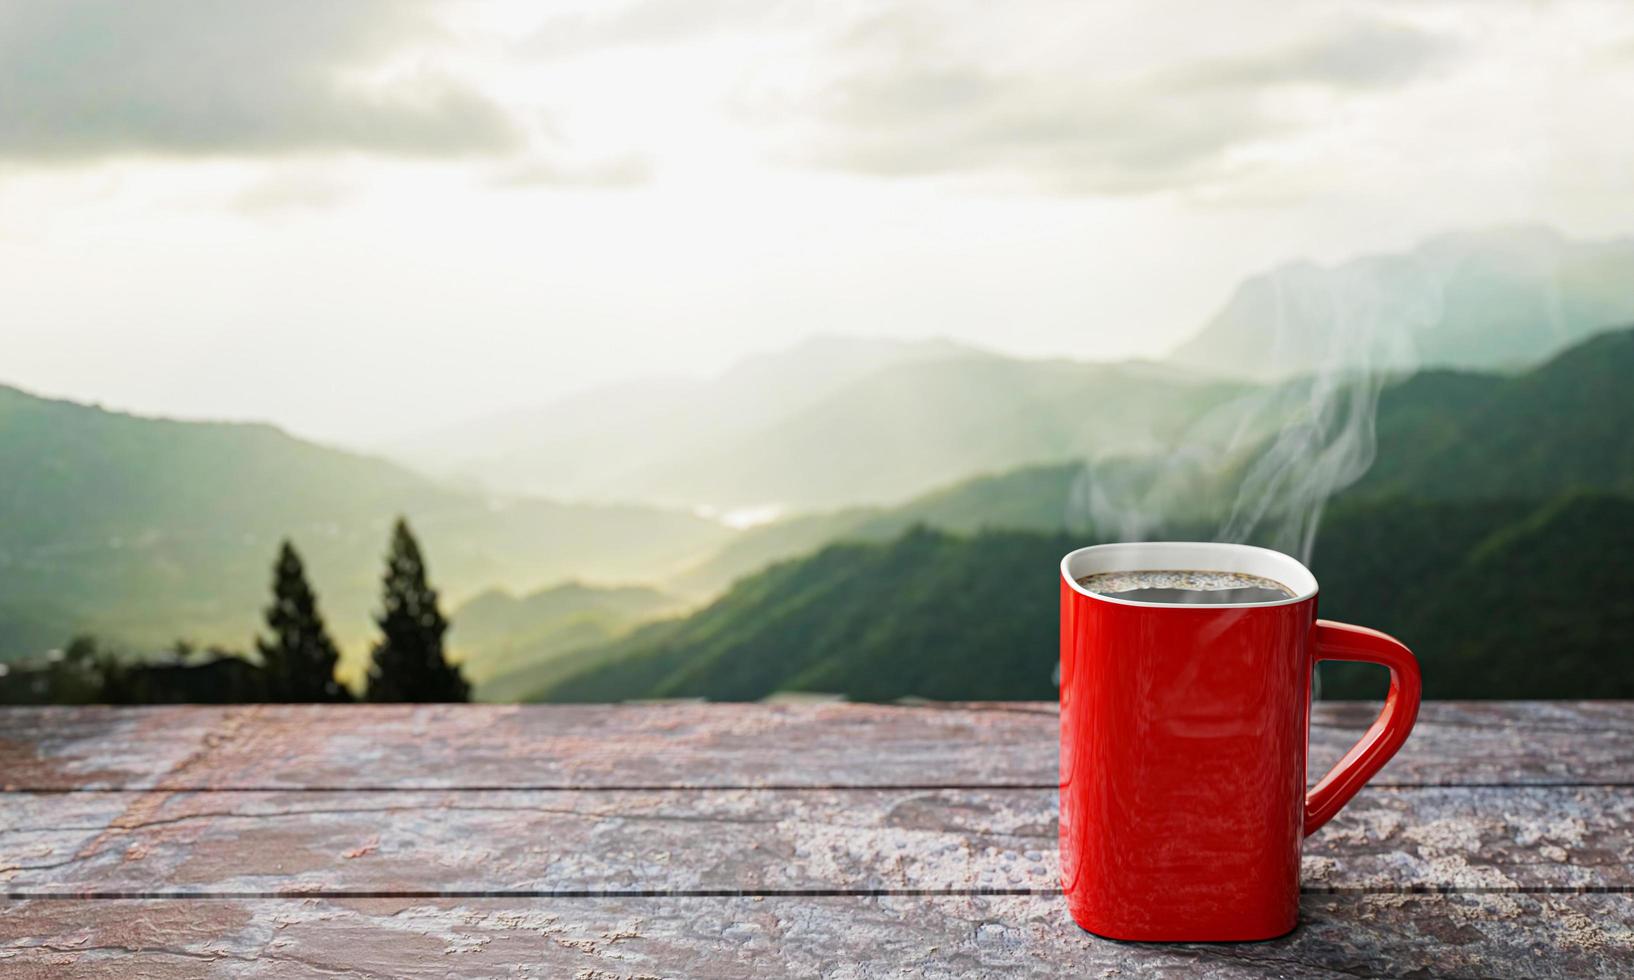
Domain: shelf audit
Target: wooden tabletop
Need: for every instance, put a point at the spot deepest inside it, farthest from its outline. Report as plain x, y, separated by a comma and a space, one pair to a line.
753, 840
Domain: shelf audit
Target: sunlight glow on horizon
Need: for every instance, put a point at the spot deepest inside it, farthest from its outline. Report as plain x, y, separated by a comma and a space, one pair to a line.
696, 182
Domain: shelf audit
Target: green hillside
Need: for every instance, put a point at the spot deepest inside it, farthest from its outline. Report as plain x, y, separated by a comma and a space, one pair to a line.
1443, 435
1482, 483
759, 546
927, 614
951, 616
1029, 498
144, 530
1567, 424
1541, 609
147, 529
504, 642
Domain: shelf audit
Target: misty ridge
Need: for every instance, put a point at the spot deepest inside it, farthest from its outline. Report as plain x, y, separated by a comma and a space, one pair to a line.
759, 436
787, 525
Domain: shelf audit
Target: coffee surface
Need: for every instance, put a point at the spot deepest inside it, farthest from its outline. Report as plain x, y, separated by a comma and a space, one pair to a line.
1186, 587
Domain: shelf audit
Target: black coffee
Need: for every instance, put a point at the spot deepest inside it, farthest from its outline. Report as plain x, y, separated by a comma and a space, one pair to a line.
1186, 587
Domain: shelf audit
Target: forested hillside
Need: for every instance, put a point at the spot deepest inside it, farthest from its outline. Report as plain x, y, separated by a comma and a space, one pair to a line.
1498, 599
505, 641
1442, 435
146, 530
1495, 534
1566, 424
149, 529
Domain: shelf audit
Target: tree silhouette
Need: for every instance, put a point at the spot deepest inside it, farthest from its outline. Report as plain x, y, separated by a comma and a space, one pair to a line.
408, 661
299, 658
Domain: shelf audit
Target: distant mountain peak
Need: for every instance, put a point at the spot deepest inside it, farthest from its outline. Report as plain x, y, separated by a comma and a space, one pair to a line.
1498, 298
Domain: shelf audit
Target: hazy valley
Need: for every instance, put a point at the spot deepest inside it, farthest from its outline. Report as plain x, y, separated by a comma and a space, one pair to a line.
593, 562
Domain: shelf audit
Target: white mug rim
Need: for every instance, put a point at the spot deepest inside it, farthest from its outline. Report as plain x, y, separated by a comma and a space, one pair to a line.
1209, 556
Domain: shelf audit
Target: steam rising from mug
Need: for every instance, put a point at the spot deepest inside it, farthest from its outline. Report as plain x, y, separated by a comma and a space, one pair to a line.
1261, 466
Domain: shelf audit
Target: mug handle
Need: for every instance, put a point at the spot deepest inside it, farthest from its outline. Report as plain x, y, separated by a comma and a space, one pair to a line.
1341, 641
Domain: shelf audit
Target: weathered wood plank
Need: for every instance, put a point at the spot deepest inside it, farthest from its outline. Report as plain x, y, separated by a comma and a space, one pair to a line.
1476, 838
1482, 743
550, 746
527, 841
753, 840
1341, 936
509, 746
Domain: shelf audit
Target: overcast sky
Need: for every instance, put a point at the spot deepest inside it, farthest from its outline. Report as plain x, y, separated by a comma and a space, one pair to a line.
362, 219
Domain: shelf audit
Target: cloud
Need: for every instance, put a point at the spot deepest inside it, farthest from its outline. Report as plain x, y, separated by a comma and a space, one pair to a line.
619, 172
952, 121
1366, 55
646, 22
907, 109
89, 79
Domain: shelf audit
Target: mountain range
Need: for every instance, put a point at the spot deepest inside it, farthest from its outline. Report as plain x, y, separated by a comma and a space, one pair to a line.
145, 530
910, 416
836, 421
1442, 435
1495, 534
594, 444
1502, 603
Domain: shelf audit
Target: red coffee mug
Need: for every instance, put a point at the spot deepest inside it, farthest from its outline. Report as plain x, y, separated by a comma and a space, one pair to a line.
1183, 737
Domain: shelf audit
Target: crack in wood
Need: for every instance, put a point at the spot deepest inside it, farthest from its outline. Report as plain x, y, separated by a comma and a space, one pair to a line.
121, 824
539, 788
547, 893
596, 893
132, 950
1384, 784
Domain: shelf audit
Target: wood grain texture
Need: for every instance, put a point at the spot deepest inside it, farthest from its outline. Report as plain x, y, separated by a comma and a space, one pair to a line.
430, 842
1028, 936
1496, 743
511, 746
599, 841
715, 745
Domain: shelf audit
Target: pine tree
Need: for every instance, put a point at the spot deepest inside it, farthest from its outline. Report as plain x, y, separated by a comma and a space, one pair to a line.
408, 661
298, 659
